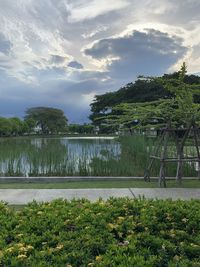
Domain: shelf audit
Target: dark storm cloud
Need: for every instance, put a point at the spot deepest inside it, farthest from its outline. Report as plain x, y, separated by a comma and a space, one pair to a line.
141, 52
70, 96
75, 65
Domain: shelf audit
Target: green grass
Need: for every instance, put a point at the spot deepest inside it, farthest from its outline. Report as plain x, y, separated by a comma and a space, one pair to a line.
98, 184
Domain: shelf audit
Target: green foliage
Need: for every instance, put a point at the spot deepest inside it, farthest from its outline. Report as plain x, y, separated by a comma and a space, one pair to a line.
12, 126
117, 232
51, 120
141, 90
81, 129
180, 109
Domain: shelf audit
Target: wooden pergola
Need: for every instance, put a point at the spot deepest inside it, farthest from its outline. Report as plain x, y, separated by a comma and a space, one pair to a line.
179, 137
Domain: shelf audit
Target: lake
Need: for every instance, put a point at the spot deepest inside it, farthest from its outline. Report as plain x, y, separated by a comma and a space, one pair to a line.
78, 156
54, 156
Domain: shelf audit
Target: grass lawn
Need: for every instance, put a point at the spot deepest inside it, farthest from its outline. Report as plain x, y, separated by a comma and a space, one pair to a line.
98, 184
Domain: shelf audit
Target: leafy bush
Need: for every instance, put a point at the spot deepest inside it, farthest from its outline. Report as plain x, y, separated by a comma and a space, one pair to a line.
117, 232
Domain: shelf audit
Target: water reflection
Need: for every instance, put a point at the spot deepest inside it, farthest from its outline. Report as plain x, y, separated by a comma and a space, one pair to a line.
54, 156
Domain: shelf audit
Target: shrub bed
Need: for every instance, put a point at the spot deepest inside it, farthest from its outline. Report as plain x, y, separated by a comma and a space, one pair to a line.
117, 232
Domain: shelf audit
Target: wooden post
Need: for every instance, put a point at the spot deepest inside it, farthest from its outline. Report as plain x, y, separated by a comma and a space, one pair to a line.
162, 181
167, 132
196, 138
179, 171
180, 147
148, 170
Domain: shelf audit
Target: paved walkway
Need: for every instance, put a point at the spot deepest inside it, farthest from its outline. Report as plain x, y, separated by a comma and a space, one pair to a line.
24, 196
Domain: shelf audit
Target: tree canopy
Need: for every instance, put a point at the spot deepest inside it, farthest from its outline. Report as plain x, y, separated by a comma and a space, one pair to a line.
81, 128
177, 105
50, 120
144, 90
13, 126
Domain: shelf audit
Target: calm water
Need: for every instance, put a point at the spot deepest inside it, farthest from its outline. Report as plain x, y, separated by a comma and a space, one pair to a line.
55, 156
81, 156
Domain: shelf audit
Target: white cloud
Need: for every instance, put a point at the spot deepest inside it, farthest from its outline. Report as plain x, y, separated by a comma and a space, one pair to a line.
42, 43
84, 10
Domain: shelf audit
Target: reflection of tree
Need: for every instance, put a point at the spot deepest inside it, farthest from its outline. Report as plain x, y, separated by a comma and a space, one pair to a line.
33, 155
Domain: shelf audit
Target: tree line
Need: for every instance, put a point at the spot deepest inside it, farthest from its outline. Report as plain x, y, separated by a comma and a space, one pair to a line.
14, 126
42, 120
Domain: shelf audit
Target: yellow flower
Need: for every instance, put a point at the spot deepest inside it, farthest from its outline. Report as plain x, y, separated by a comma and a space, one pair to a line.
98, 258
23, 249
19, 235
30, 247
60, 246
39, 212
184, 220
172, 235
163, 246
112, 226
193, 245
21, 256
120, 219
20, 245
176, 258
9, 249
90, 264
101, 203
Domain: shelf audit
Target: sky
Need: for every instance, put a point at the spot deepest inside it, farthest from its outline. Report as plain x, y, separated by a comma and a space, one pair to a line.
61, 53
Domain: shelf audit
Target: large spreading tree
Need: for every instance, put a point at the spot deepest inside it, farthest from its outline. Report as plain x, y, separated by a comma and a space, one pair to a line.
178, 115
50, 120
179, 106
144, 94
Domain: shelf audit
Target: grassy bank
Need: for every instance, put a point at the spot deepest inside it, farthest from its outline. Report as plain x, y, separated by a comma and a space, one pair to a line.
99, 184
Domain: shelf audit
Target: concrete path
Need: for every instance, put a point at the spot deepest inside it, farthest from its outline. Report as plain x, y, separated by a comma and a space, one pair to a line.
24, 196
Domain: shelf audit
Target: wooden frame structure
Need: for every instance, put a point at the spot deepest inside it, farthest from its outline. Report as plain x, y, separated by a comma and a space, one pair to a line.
179, 136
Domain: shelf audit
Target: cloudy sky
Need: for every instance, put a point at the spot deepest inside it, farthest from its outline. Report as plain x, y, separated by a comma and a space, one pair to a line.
60, 53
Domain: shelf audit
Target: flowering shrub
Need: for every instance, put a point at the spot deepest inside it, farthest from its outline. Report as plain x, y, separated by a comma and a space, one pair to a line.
118, 232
